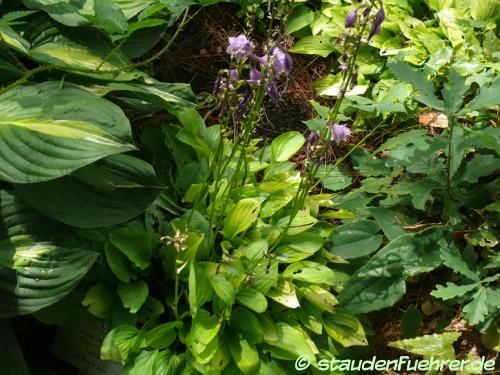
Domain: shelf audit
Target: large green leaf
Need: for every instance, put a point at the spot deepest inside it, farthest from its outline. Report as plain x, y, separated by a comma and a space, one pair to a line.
244, 354
85, 53
40, 263
292, 342
314, 45
67, 12
301, 17
78, 12
285, 145
136, 245
170, 96
109, 17
48, 130
356, 239
119, 342
111, 191
381, 282
241, 217
133, 294
489, 96
345, 328
202, 340
333, 178
418, 79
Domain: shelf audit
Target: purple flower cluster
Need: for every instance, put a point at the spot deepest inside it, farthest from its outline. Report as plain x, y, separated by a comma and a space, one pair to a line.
265, 70
240, 47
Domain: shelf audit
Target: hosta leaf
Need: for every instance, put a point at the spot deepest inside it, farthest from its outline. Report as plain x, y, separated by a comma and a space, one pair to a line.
45, 133
223, 288
244, 354
292, 343
439, 346
137, 246
345, 328
109, 17
484, 10
252, 299
356, 239
111, 191
87, 53
102, 301
163, 335
40, 263
153, 362
476, 310
286, 145
200, 290
300, 223
301, 16
298, 247
241, 217
118, 263
314, 45
310, 272
171, 96
319, 297
133, 294
266, 274
452, 290
68, 12
202, 338
119, 342
245, 322
331, 85
284, 293
12, 39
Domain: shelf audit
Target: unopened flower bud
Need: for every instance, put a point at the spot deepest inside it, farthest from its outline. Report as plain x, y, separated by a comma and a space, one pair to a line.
379, 18
313, 138
351, 17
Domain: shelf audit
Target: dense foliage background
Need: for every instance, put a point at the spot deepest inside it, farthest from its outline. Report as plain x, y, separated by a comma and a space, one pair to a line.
213, 237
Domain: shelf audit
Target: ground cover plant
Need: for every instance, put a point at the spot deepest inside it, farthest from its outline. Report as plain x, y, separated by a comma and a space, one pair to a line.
205, 246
